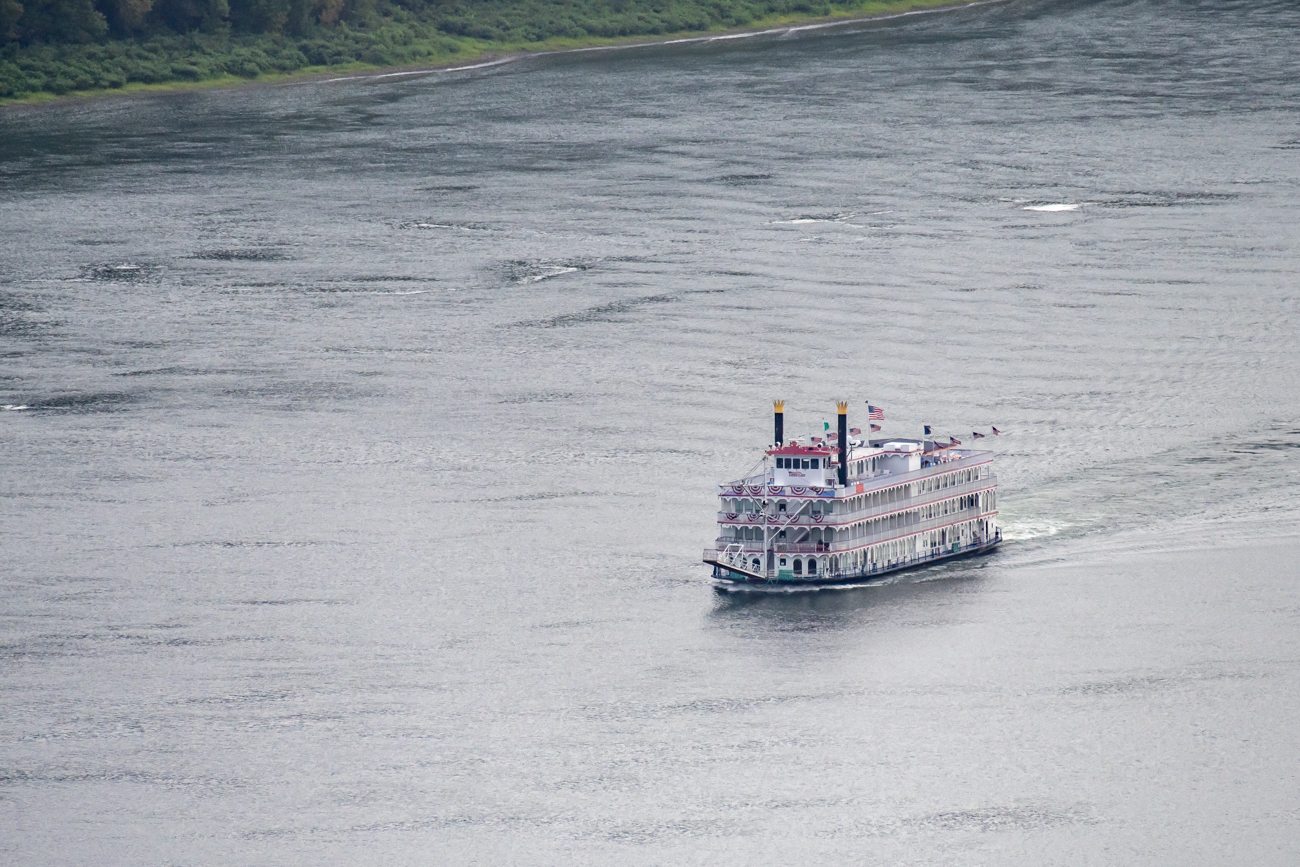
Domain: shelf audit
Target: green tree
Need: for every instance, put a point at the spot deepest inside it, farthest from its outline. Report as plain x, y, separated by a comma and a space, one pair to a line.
11, 12
126, 17
60, 21
184, 16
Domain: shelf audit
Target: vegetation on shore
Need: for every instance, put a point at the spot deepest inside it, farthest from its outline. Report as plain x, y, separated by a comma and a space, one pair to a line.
57, 47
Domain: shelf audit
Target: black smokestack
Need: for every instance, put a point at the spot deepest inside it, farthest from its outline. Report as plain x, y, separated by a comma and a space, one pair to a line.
844, 442
779, 417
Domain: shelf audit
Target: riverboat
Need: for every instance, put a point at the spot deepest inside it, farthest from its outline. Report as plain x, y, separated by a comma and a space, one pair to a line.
816, 513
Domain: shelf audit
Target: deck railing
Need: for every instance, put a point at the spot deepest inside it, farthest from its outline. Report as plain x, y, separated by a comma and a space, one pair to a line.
836, 518
885, 534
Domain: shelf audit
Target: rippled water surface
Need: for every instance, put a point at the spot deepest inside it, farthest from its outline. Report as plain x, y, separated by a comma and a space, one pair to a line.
360, 441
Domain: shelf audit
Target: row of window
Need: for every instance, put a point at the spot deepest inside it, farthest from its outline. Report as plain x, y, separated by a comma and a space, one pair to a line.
857, 468
890, 553
984, 501
901, 550
801, 463
797, 566
862, 467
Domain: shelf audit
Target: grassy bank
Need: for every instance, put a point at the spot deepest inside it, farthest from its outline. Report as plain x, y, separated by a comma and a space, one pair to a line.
389, 36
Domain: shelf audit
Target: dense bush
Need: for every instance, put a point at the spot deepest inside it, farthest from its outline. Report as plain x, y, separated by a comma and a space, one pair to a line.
62, 45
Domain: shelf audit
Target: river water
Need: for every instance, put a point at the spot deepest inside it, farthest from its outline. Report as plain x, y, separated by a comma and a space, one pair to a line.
361, 438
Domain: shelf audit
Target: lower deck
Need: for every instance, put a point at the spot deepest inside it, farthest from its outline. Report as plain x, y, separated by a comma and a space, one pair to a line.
733, 575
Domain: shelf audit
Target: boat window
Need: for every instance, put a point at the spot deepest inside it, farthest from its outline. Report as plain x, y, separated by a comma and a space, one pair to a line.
780, 506
798, 566
812, 565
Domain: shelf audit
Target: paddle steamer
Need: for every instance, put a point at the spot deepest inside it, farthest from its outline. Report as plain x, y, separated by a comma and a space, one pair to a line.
847, 510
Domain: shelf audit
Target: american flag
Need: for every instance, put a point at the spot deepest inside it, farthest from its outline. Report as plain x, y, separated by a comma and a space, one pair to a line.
875, 428
855, 431
955, 441
875, 413
977, 435
996, 432
816, 439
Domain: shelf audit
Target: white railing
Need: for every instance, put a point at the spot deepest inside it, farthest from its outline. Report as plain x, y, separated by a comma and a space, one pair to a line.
836, 518
917, 559
884, 534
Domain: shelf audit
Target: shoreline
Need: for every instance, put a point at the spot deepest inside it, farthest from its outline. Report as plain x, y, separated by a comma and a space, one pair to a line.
500, 56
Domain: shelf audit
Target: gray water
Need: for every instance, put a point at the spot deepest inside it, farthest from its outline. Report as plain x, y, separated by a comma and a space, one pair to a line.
361, 438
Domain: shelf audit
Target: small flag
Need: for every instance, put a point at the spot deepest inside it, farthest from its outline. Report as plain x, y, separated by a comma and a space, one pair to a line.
826, 425
875, 428
875, 413
834, 436
928, 432
855, 431
977, 435
955, 441
996, 432
816, 440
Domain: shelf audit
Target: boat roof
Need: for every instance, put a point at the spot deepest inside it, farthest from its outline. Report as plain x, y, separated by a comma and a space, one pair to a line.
794, 448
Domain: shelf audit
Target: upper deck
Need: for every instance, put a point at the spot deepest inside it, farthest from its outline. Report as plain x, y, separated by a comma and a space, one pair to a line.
874, 466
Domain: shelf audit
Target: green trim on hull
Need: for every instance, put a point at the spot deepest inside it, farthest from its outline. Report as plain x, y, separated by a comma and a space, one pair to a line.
722, 573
